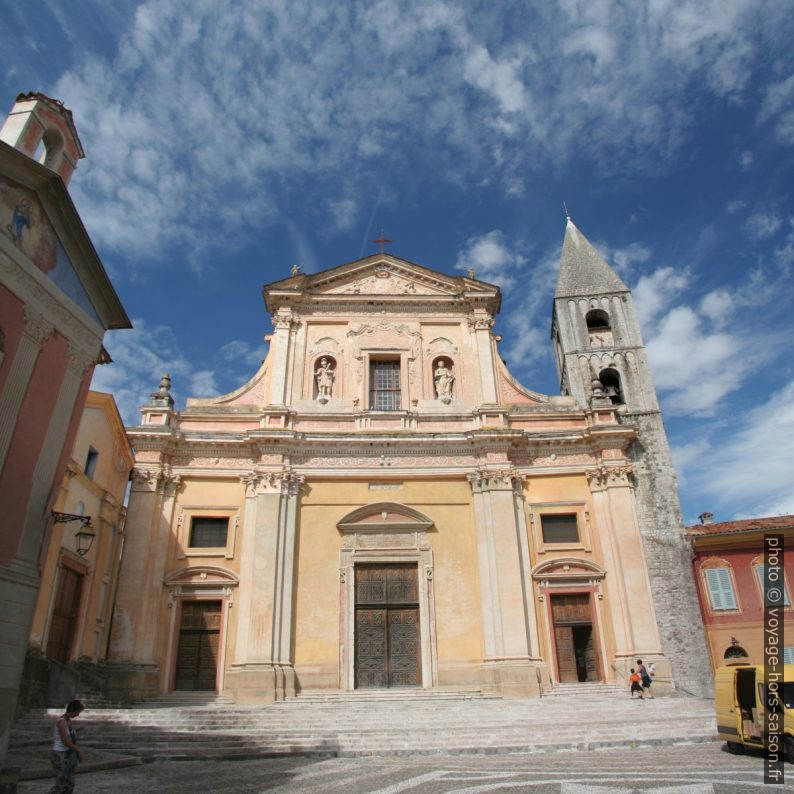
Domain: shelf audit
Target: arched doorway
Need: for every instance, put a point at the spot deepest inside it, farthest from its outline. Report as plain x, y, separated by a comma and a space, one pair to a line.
387, 616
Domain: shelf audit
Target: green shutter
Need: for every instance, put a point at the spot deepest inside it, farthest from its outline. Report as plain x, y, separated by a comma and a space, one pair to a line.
759, 570
720, 588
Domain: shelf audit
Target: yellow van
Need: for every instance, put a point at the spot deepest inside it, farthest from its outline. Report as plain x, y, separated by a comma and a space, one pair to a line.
739, 697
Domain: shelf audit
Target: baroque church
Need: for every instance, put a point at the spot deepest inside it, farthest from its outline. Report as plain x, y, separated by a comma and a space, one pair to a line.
384, 505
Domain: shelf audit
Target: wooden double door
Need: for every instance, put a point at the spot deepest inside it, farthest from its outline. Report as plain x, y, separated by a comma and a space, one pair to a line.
199, 640
387, 644
574, 638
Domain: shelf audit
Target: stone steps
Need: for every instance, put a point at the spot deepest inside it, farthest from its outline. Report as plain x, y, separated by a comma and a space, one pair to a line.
372, 725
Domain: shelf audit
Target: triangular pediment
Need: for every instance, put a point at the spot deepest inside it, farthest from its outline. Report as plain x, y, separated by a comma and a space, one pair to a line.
383, 276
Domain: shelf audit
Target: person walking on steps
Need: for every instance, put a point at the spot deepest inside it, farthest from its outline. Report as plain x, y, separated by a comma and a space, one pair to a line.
65, 752
645, 679
634, 678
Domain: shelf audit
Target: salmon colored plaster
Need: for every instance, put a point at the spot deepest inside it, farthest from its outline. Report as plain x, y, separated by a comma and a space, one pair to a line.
16, 479
12, 312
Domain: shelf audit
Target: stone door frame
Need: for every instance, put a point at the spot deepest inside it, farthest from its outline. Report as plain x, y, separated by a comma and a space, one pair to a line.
200, 583
382, 533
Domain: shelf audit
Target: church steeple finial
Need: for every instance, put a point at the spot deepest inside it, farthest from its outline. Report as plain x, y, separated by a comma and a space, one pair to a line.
567, 214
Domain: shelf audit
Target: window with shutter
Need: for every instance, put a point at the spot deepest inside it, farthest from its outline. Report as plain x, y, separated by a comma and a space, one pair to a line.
720, 588
759, 572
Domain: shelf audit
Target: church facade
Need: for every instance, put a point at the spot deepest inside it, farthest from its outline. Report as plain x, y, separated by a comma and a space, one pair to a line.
383, 505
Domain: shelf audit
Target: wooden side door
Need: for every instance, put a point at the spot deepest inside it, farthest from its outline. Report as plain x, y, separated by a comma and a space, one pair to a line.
199, 640
65, 615
566, 658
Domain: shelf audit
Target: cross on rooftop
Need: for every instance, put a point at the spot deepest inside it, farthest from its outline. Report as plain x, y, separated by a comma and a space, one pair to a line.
382, 240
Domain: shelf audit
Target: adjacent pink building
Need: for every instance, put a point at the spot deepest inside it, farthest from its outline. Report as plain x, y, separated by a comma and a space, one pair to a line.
728, 565
56, 302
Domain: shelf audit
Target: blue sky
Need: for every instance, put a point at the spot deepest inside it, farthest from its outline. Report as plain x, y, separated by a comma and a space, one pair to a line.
227, 140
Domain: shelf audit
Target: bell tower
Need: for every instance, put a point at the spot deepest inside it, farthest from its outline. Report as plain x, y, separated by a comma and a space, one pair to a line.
43, 129
601, 360
600, 354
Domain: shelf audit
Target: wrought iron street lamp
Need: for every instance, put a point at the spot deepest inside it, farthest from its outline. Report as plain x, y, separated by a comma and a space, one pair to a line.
84, 536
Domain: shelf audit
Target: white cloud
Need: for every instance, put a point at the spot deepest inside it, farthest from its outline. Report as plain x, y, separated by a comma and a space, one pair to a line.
718, 306
732, 207
207, 125
202, 384
527, 320
749, 467
692, 368
140, 358
491, 258
655, 292
763, 223
625, 258
746, 160
778, 106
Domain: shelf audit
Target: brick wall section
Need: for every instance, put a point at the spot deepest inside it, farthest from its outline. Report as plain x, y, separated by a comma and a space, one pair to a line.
668, 556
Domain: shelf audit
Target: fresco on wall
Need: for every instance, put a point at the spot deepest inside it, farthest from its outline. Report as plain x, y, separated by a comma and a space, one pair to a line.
24, 222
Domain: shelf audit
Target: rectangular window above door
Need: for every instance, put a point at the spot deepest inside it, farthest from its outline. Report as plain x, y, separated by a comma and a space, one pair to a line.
384, 385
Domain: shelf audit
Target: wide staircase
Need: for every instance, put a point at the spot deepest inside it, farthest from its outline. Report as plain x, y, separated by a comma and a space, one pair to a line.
202, 727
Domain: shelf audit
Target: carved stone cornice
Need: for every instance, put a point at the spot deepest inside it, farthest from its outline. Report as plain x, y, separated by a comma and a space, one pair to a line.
608, 476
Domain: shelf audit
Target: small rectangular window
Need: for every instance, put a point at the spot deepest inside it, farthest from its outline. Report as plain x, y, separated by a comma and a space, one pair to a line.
384, 385
720, 589
560, 528
788, 654
208, 533
759, 572
90, 462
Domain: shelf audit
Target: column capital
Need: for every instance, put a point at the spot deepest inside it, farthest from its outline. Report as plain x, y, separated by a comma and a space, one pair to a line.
609, 476
161, 481
80, 360
285, 481
483, 480
286, 320
37, 327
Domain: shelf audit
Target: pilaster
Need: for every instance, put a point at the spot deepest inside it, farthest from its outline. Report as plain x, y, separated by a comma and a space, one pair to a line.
140, 594
510, 634
263, 670
37, 329
480, 324
630, 599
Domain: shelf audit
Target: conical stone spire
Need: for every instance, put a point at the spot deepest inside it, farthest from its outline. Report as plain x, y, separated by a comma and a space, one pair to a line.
583, 271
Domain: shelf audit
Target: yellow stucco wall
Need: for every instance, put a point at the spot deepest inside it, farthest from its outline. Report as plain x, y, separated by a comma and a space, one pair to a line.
452, 538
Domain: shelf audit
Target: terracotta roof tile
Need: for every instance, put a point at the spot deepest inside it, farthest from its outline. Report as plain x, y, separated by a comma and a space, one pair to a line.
770, 523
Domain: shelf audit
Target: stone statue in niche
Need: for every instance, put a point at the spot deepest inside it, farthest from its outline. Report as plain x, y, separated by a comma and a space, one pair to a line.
443, 378
324, 375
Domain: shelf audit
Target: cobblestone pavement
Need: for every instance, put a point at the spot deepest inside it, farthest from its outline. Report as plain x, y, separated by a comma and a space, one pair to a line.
683, 769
